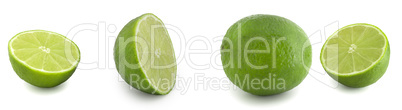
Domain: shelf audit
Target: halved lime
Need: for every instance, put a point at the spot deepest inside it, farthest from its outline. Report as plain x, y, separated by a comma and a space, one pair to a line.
144, 55
356, 55
43, 58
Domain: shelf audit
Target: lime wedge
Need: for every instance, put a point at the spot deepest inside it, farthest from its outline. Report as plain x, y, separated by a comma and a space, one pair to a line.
43, 58
356, 55
144, 55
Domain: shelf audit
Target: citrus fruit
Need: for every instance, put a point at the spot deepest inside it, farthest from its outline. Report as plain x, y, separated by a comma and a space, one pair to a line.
144, 55
356, 55
43, 58
266, 54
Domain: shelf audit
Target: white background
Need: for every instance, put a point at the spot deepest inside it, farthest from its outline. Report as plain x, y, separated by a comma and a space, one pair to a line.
97, 85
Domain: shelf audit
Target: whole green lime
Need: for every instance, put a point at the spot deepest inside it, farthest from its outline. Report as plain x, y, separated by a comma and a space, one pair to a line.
266, 54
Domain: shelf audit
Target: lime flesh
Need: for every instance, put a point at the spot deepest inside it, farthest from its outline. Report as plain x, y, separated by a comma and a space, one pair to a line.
356, 55
43, 58
144, 55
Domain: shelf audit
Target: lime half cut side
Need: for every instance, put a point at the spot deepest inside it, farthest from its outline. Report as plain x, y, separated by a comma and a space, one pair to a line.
144, 55
356, 55
43, 58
